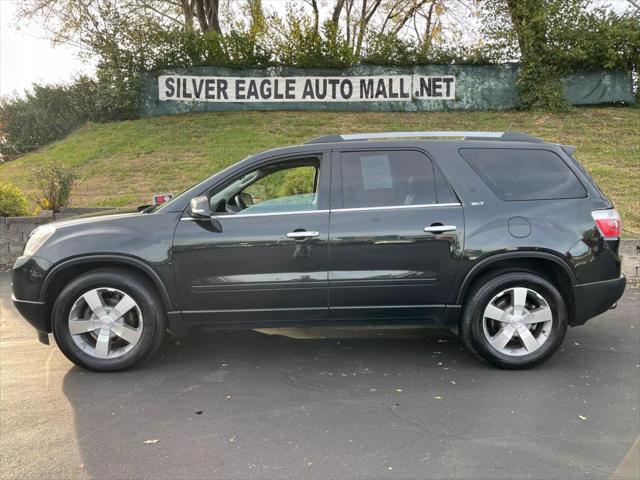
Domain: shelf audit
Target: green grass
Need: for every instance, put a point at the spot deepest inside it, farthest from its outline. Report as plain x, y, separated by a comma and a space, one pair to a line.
123, 163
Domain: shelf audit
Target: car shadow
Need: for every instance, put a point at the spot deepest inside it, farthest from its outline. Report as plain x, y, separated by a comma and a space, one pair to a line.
187, 393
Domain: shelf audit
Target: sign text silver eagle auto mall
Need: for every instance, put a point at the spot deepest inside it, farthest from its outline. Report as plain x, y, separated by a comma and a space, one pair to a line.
190, 88
361, 88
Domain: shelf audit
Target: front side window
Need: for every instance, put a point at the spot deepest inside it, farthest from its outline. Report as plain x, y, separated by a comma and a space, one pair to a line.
278, 188
284, 190
524, 174
387, 178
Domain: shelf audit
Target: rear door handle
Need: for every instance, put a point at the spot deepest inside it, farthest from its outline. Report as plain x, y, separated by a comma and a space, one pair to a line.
303, 234
440, 228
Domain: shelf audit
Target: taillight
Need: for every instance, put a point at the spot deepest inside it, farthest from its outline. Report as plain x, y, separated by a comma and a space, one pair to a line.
608, 222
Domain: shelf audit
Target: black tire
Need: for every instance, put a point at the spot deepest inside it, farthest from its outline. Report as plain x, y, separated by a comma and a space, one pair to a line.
483, 291
134, 285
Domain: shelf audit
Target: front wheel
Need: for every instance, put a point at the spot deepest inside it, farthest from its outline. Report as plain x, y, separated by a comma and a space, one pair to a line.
108, 319
514, 320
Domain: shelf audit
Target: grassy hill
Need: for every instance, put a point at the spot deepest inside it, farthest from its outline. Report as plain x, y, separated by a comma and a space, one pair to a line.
123, 163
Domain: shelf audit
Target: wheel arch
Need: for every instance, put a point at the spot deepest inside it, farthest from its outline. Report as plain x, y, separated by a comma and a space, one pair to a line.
546, 264
61, 273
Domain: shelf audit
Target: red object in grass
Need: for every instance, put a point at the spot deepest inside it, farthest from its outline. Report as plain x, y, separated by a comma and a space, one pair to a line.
163, 198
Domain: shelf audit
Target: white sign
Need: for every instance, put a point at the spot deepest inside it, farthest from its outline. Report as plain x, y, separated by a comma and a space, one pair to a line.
376, 172
397, 88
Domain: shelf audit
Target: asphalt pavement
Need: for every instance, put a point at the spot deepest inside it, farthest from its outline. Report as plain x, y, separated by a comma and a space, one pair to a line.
334, 404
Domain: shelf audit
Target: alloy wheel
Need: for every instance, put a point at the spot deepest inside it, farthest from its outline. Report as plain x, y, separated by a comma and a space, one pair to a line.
517, 321
105, 323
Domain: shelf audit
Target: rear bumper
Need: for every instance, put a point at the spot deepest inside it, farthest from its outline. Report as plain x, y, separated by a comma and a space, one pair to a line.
592, 299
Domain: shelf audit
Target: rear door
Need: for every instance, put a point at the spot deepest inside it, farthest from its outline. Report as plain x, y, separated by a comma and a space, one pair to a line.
396, 232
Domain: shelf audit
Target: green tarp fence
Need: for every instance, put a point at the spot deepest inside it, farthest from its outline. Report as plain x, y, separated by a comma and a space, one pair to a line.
488, 87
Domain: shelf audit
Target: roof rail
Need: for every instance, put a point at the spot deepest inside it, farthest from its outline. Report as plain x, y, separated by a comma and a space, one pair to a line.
503, 136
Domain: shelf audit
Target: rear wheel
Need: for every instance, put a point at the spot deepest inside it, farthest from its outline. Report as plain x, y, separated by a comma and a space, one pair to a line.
108, 320
514, 320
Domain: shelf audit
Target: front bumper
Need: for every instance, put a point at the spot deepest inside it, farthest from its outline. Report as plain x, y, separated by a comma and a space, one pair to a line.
26, 283
33, 312
592, 299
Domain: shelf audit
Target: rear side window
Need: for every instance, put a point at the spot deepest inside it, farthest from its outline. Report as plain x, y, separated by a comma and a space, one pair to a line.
387, 178
521, 174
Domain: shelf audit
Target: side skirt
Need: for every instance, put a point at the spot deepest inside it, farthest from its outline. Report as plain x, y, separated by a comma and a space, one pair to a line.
443, 316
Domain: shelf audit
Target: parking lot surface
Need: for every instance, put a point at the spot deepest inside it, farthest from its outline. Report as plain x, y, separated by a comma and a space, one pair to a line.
300, 404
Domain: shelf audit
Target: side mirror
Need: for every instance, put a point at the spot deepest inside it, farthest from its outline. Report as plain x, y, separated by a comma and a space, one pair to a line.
246, 198
199, 208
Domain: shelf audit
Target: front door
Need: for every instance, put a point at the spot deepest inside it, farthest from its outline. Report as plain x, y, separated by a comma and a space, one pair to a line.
263, 257
396, 237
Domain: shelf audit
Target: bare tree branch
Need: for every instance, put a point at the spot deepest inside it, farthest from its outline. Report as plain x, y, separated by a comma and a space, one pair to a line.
635, 4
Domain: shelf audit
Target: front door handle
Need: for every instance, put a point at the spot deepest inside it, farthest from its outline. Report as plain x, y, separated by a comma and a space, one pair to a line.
302, 234
440, 228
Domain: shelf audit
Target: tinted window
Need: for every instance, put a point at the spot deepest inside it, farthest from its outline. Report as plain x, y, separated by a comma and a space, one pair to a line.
520, 174
386, 178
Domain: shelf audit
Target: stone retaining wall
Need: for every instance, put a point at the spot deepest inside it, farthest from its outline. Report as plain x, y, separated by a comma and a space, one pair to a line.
14, 231
630, 251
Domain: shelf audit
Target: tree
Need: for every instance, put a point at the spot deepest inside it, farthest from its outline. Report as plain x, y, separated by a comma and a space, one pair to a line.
529, 19
89, 23
518, 30
208, 14
552, 38
419, 22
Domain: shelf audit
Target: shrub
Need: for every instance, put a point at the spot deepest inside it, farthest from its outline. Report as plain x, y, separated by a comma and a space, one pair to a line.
389, 50
54, 184
297, 43
297, 181
45, 114
12, 202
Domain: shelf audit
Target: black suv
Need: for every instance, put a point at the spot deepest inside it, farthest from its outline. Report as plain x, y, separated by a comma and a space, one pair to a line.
500, 236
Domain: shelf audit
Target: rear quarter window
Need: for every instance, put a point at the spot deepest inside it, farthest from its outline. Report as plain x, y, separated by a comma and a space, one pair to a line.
524, 174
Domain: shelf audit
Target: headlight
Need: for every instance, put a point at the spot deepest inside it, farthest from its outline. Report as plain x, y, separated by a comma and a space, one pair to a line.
37, 238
